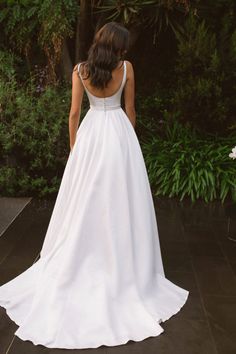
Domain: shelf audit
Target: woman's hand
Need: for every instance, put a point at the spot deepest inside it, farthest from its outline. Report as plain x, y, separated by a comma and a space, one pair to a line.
71, 149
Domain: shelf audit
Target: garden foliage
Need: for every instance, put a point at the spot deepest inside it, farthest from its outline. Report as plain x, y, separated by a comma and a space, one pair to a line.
34, 141
181, 164
186, 122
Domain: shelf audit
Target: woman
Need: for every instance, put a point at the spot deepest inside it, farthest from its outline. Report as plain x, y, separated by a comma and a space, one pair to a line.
99, 279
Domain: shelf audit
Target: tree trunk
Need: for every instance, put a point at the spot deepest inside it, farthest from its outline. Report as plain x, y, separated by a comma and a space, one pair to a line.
65, 62
83, 31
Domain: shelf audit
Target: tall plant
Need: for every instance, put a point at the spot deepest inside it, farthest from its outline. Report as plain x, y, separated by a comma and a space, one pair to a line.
182, 164
198, 93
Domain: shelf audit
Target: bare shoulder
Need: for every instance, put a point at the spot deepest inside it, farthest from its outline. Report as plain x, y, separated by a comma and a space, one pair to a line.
81, 68
129, 64
76, 67
75, 76
75, 70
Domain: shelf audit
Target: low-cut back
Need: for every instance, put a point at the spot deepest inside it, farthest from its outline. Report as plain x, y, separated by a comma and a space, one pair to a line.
108, 102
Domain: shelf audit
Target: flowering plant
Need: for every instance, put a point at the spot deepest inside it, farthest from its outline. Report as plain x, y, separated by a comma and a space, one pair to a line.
233, 153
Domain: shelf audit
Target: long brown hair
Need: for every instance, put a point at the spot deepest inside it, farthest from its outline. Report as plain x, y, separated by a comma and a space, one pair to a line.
109, 46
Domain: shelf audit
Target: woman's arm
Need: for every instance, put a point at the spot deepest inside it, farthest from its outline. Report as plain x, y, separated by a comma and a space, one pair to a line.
76, 101
129, 94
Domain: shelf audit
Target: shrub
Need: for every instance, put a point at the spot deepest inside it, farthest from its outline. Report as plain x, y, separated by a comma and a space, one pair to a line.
180, 163
34, 137
198, 92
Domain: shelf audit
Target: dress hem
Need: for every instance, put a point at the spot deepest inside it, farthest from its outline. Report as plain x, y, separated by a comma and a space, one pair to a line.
116, 343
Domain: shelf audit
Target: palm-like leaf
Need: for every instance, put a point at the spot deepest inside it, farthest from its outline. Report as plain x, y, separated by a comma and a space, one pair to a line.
155, 13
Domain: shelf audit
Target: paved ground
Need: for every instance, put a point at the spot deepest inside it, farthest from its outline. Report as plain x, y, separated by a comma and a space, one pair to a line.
9, 209
197, 256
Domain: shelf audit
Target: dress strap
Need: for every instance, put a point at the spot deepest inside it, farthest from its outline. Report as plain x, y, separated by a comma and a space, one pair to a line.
124, 75
78, 69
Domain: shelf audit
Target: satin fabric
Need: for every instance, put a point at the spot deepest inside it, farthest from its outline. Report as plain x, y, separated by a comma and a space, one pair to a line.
100, 278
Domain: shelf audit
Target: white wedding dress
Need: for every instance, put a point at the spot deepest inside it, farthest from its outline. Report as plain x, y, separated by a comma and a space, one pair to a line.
99, 279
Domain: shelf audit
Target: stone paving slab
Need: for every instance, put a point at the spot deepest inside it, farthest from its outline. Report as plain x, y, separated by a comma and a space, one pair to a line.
10, 208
